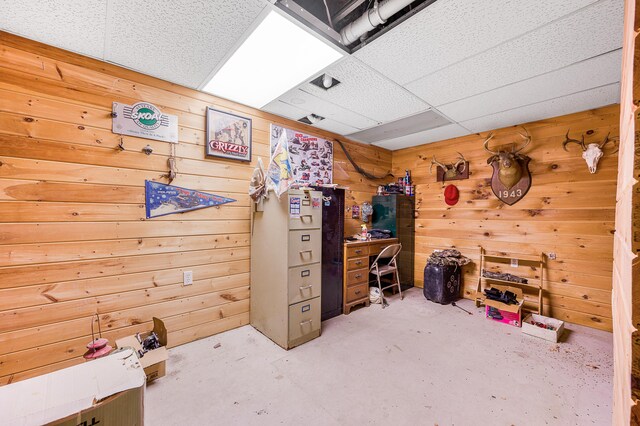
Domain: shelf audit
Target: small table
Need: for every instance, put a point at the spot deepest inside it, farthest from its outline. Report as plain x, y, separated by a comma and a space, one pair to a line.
355, 289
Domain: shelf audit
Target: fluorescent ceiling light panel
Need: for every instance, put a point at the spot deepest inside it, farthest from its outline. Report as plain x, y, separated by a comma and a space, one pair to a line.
277, 56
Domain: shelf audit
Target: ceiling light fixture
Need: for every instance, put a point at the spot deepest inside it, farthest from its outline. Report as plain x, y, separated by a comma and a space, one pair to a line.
311, 119
325, 82
276, 57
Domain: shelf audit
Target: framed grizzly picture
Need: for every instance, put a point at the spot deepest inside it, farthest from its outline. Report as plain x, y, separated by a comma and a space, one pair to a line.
228, 135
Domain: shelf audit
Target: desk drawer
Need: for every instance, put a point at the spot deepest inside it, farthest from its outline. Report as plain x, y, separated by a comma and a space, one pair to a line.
357, 292
304, 282
357, 251
304, 318
357, 263
375, 249
305, 247
357, 276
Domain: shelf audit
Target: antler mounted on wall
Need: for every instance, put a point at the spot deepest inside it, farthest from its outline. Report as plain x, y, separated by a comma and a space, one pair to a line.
592, 153
454, 171
511, 177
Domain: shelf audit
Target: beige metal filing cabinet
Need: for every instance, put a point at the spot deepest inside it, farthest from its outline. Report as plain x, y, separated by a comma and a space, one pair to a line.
286, 250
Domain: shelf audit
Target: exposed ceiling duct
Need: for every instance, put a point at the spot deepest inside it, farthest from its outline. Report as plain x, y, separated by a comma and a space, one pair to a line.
373, 17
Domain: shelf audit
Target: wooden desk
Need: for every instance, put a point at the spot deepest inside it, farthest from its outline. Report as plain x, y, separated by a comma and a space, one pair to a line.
355, 288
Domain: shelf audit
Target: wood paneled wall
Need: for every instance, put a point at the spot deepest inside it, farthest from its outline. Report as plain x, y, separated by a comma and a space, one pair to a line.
74, 240
568, 211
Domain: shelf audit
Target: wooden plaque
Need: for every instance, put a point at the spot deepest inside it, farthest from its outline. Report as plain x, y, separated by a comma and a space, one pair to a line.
516, 192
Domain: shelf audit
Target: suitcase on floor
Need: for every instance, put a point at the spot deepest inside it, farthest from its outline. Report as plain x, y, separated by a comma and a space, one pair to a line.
442, 283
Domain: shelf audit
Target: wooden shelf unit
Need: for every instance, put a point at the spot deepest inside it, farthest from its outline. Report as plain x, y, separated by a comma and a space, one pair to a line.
521, 259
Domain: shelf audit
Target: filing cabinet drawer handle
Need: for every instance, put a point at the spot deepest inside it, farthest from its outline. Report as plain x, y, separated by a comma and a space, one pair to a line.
358, 251
359, 262
305, 287
358, 276
302, 216
306, 322
306, 251
358, 292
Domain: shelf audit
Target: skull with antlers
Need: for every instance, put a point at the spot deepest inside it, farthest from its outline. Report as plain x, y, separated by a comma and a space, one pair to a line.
592, 153
509, 162
450, 170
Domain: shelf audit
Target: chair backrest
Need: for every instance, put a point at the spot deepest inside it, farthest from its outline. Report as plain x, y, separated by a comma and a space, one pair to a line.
390, 251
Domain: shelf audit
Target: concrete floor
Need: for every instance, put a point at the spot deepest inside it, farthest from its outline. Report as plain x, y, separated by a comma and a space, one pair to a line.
415, 362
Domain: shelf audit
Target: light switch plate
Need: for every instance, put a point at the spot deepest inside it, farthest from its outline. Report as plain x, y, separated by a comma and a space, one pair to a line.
514, 263
187, 278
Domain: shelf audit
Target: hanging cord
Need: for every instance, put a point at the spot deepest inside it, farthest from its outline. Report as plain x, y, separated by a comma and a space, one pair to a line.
360, 169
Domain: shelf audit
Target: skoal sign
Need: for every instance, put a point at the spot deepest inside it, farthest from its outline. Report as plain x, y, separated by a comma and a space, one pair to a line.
144, 120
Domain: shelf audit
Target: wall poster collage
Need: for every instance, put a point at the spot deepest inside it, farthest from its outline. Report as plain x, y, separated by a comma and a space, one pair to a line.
310, 157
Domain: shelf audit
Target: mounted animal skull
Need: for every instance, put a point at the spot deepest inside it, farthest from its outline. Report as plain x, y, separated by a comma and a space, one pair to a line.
510, 168
592, 153
450, 170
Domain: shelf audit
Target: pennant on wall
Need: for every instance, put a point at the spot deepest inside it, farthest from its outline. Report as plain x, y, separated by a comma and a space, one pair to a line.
162, 199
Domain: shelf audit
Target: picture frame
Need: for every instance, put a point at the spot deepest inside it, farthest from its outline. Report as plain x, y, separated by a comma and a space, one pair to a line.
228, 135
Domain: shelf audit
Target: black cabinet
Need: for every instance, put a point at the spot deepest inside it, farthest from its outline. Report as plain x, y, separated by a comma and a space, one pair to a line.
332, 239
396, 213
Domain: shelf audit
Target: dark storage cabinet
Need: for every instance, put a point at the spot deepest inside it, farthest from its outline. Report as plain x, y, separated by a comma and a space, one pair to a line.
442, 283
395, 213
332, 239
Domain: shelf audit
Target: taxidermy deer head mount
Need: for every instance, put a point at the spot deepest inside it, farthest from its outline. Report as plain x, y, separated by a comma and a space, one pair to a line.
509, 162
592, 153
450, 170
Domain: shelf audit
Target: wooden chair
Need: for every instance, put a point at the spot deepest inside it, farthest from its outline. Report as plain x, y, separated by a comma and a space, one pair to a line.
381, 270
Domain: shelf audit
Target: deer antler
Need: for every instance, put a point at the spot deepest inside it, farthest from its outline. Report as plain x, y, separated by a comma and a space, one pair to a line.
606, 141
486, 143
581, 143
436, 162
527, 141
461, 160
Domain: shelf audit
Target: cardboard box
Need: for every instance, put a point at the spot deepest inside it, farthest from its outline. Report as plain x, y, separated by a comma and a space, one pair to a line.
105, 391
154, 361
501, 312
543, 333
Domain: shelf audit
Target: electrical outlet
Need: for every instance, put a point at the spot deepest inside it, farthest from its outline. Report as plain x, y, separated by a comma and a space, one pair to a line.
551, 256
187, 278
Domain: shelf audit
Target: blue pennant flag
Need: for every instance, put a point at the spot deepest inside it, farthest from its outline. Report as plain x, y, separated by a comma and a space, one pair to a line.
162, 199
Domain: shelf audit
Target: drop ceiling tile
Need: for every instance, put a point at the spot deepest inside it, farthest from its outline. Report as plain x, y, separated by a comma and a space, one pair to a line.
583, 101
335, 127
575, 38
420, 122
311, 102
283, 109
366, 92
599, 71
427, 136
73, 25
450, 30
180, 41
